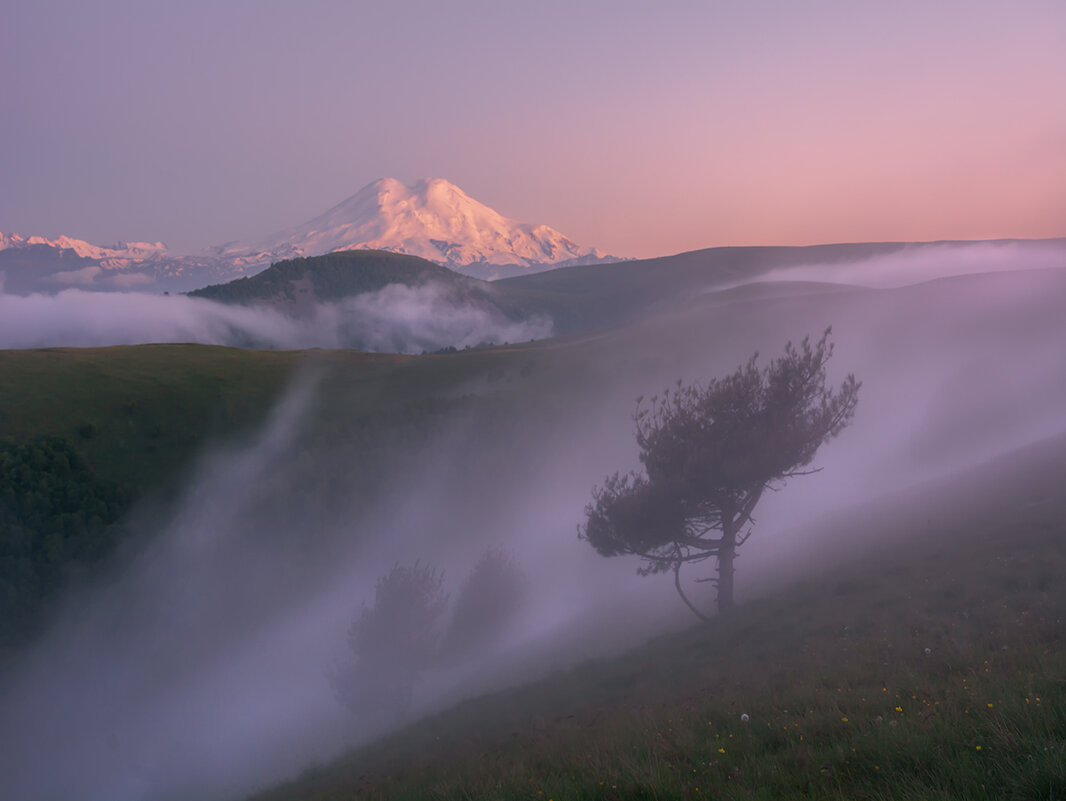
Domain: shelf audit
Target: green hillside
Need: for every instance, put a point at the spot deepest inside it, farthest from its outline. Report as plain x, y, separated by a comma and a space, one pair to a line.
114, 427
137, 414
930, 668
125, 425
86, 433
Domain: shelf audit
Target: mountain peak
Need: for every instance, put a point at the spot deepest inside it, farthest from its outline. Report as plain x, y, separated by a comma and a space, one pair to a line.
431, 218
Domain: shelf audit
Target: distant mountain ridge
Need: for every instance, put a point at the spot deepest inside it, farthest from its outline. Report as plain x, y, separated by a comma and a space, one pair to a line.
431, 218
118, 251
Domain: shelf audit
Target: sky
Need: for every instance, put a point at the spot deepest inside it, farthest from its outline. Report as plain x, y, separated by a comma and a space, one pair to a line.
639, 128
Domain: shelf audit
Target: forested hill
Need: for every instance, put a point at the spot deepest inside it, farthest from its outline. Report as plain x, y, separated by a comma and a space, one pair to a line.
338, 275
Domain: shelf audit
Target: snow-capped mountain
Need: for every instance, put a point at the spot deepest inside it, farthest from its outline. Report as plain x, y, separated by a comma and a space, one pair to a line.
35, 264
433, 219
117, 254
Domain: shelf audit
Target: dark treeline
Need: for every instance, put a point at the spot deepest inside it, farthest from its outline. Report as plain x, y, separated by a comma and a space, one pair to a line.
57, 518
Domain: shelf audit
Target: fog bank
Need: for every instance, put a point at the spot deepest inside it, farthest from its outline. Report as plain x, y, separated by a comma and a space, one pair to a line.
929, 261
396, 319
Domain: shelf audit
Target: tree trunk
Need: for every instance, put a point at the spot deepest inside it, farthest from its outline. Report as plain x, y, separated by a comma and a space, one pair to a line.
727, 552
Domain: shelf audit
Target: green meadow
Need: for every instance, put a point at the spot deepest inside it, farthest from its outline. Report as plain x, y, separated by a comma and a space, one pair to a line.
89, 436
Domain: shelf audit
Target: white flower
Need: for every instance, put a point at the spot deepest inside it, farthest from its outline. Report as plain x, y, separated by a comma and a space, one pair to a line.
744, 718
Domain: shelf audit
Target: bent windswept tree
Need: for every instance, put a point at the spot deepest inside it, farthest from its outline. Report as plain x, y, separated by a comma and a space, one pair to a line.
709, 453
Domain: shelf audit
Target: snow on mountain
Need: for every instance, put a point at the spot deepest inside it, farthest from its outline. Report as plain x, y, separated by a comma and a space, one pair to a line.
36, 264
128, 251
433, 219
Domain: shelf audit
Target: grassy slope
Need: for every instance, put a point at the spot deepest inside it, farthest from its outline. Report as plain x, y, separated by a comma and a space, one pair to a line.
137, 414
137, 418
844, 701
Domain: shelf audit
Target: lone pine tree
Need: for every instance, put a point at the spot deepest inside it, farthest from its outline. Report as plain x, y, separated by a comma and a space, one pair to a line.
709, 452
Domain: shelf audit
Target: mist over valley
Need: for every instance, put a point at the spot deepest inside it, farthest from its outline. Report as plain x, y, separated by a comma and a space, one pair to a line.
270, 490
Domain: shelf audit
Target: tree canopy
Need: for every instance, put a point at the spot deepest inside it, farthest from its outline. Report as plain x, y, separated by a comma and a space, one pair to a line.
709, 452
402, 636
394, 640
57, 519
485, 608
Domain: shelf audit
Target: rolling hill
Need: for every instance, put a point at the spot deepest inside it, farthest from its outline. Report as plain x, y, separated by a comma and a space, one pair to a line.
297, 285
585, 298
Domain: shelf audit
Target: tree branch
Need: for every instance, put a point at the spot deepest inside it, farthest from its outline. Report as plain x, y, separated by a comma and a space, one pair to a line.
795, 473
688, 603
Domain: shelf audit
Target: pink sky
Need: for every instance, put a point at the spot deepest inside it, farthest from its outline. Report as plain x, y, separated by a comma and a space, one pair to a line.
639, 130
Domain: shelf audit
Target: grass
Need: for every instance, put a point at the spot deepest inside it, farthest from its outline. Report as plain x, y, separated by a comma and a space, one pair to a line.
933, 668
137, 414
133, 420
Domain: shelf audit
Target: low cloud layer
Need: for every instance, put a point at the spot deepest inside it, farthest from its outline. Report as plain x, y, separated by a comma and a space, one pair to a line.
928, 261
396, 319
